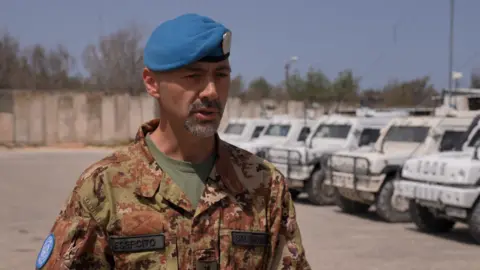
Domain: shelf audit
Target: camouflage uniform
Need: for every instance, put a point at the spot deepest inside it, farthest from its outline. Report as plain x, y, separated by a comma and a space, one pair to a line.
127, 194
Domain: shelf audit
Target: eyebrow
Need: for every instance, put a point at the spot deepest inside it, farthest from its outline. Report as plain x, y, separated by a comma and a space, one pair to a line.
199, 69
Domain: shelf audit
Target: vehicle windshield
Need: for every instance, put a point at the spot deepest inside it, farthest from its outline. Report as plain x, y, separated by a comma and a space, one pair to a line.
280, 130
332, 131
406, 134
235, 129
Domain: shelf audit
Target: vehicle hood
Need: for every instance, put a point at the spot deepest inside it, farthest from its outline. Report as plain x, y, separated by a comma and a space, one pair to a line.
300, 153
233, 138
256, 145
445, 168
369, 159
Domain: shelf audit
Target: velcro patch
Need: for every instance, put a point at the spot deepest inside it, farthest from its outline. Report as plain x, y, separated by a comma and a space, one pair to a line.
244, 238
206, 265
129, 244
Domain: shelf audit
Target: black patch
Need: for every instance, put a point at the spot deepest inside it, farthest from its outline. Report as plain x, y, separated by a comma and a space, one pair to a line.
243, 238
207, 265
129, 244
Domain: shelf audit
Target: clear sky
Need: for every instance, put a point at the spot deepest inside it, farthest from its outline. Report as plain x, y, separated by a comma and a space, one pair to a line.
328, 34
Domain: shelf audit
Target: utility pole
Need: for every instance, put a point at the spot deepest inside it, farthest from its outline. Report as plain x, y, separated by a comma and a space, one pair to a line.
450, 50
287, 79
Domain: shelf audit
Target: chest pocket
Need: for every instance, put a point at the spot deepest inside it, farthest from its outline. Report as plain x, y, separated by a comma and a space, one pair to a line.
152, 251
244, 249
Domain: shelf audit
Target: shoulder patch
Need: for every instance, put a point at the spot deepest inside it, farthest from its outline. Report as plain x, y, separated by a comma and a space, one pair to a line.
45, 251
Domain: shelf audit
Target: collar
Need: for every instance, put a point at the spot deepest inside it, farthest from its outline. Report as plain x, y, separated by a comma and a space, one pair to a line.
224, 179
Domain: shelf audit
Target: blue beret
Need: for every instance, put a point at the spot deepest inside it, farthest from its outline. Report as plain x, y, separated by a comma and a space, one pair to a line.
184, 40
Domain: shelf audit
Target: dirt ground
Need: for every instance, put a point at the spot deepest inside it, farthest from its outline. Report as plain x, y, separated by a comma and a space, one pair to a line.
35, 184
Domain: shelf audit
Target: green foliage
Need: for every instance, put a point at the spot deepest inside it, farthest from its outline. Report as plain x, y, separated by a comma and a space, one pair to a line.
115, 63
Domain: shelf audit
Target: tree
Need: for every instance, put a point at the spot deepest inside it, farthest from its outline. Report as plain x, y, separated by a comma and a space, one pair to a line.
236, 86
296, 87
317, 85
9, 64
371, 97
416, 92
116, 62
259, 88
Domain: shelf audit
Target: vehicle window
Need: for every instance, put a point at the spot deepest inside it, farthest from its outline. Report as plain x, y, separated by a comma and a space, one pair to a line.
332, 131
406, 134
236, 129
450, 139
368, 136
258, 130
277, 130
475, 139
474, 103
304, 134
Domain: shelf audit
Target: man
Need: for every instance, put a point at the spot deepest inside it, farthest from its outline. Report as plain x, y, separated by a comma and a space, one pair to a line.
179, 197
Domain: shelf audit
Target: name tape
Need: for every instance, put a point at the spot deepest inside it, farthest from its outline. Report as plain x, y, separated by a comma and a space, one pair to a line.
241, 238
140, 243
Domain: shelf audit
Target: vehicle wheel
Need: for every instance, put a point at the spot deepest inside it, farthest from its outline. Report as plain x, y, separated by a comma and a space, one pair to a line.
426, 221
474, 223
294, 194
318, 192
391, 208
350, 206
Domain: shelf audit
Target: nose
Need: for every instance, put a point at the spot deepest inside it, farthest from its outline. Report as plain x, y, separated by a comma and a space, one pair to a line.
210, 91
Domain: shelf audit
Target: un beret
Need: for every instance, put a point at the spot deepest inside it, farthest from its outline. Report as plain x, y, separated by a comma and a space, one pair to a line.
184, 40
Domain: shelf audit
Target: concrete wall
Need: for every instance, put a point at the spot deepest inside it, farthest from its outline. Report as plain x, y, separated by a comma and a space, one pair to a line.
63, 117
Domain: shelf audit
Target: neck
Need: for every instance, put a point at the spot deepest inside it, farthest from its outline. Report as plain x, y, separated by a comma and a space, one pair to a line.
177, 143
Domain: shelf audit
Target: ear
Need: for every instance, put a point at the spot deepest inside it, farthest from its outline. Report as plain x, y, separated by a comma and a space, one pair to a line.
151, 82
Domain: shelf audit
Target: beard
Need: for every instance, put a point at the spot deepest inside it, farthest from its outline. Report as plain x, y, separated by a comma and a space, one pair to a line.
200, 128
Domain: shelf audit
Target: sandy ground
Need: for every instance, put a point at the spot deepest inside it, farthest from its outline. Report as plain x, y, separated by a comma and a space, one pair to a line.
35, 183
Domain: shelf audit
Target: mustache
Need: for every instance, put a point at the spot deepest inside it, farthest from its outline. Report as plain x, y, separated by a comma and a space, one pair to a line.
206, 104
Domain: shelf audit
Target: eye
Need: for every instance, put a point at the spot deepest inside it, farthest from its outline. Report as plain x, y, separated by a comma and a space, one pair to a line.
222, 74
193, 75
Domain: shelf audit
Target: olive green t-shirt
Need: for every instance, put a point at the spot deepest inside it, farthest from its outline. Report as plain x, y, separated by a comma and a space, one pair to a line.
190, 177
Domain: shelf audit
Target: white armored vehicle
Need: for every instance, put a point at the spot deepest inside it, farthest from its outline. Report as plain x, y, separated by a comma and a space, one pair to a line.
303, 165
242, 130
281, 130
364, 178
444, 188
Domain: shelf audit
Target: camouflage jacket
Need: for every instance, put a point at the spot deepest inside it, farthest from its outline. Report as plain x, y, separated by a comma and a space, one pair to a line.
125, 213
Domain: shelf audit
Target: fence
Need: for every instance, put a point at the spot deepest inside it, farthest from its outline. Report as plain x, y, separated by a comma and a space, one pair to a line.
39, 118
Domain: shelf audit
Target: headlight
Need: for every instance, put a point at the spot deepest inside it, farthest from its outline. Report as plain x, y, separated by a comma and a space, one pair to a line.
361, 164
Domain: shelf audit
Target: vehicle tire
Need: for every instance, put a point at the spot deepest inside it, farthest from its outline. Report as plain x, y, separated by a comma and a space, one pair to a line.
385, 206
426, 221
294, 194
318, 193
350, 206
474, 223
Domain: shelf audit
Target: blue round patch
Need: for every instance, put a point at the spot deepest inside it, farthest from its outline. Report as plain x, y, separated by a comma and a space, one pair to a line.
45, 252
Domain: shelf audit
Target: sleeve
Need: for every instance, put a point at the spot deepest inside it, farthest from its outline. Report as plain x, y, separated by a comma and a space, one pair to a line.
288, 250
79, 242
